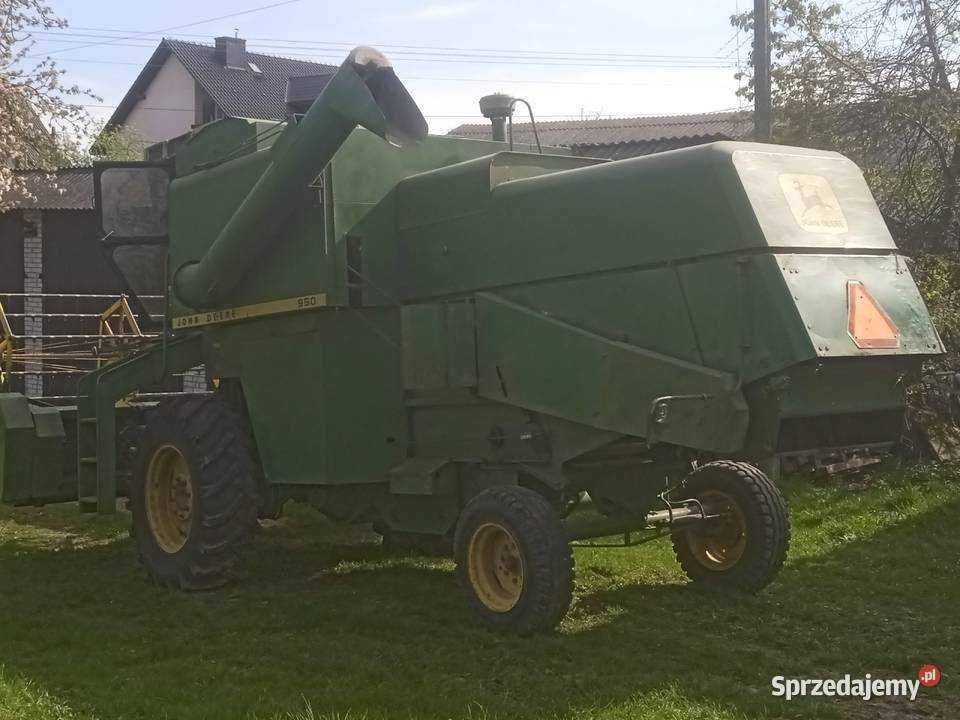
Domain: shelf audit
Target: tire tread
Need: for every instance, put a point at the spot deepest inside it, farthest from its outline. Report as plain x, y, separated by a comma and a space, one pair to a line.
548, 590
227, 497
767, 507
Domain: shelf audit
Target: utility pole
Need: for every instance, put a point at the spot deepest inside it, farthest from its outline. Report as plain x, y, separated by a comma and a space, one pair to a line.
761, 71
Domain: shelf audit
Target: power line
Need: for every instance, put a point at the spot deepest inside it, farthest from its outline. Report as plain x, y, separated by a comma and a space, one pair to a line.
546, 62
664, 60
729, 42
319, 57
335, 59
186, 25
337, 45
574, 116
403, 49
429, 78
469, 58
414, 53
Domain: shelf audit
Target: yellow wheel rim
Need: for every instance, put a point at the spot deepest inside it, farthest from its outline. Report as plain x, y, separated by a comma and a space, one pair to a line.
496, 567
170, 501
720, 544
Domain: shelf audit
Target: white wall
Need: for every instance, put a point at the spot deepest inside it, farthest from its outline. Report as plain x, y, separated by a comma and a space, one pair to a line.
173, 88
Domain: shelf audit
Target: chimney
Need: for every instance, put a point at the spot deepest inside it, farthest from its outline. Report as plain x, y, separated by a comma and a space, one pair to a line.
302, 91
232, 52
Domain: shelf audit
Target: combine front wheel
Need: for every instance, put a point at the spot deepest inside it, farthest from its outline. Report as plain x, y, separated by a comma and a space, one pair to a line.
513, 560
744, 545
194, 495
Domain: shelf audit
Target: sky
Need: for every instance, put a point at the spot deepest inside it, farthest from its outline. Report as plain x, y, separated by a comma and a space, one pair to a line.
596, 58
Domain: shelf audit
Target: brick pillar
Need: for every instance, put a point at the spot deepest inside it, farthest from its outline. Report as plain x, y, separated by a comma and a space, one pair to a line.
195, 380
33, 283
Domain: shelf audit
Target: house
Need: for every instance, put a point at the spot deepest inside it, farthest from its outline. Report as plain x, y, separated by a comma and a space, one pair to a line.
619, 138
186, 84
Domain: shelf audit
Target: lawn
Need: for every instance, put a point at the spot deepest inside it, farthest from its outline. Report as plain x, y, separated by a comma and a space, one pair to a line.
326, 625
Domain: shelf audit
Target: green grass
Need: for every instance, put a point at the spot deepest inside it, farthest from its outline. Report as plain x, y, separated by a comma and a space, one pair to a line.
326, 626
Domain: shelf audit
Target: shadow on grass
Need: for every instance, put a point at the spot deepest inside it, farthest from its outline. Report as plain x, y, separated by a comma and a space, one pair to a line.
341, 625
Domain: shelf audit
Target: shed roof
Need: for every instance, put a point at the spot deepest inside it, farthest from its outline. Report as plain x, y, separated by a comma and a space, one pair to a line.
731, 125
67, 189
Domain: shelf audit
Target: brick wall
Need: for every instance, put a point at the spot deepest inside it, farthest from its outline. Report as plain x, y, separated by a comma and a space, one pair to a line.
195, 380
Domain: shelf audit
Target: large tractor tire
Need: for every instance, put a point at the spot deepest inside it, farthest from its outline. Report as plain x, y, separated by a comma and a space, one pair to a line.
194, 494
746, 545
513, 560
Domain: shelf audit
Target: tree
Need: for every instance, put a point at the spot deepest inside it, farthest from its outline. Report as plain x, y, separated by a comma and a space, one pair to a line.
118, 143
41, 122
878, 80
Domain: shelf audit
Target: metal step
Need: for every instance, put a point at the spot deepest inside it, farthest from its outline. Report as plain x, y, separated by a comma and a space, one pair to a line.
87, 464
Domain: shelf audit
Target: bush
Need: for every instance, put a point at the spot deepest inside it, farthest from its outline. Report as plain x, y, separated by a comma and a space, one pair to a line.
938, 277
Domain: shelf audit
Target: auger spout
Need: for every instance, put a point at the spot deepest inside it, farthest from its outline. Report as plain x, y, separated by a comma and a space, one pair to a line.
365, 91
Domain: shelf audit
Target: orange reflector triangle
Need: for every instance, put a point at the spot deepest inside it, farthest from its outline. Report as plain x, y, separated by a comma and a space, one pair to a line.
869, 325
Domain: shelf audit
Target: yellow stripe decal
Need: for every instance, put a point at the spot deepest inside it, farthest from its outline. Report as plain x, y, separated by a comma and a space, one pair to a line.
245, 312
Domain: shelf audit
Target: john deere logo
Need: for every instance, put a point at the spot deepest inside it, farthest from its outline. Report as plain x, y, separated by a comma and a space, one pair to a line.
814, 204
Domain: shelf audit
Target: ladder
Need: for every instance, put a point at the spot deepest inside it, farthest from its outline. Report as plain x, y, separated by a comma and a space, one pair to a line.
99, 393
96, 459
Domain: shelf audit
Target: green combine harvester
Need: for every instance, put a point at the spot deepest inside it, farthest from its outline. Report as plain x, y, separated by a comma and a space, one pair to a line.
502, 352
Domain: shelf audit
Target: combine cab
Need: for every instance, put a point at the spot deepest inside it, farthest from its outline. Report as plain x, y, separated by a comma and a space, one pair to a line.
501, 351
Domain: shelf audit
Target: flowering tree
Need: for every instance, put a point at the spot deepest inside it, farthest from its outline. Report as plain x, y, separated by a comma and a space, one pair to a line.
41, 121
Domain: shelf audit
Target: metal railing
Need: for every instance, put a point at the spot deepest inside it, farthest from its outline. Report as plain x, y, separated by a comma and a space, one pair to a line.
75, 296
68, 315
47, 345
64, 344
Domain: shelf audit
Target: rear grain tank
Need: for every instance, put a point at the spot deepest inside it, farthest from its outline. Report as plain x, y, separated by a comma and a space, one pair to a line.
454, 341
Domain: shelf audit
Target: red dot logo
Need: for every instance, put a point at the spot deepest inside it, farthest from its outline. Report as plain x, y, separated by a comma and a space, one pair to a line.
929, 676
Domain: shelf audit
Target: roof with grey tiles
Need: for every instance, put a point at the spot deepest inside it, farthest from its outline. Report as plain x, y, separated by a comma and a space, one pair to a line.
239, 92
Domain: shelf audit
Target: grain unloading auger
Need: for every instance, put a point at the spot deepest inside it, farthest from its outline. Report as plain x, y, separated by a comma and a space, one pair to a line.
457, 342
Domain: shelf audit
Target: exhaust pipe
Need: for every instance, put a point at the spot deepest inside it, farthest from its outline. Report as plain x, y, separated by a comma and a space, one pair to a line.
365, 91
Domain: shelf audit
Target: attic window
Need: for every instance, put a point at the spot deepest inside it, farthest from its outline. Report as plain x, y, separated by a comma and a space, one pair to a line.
255, 68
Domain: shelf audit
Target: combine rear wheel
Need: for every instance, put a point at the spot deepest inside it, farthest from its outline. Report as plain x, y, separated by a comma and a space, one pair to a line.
513, 560
194, 495
745, 545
